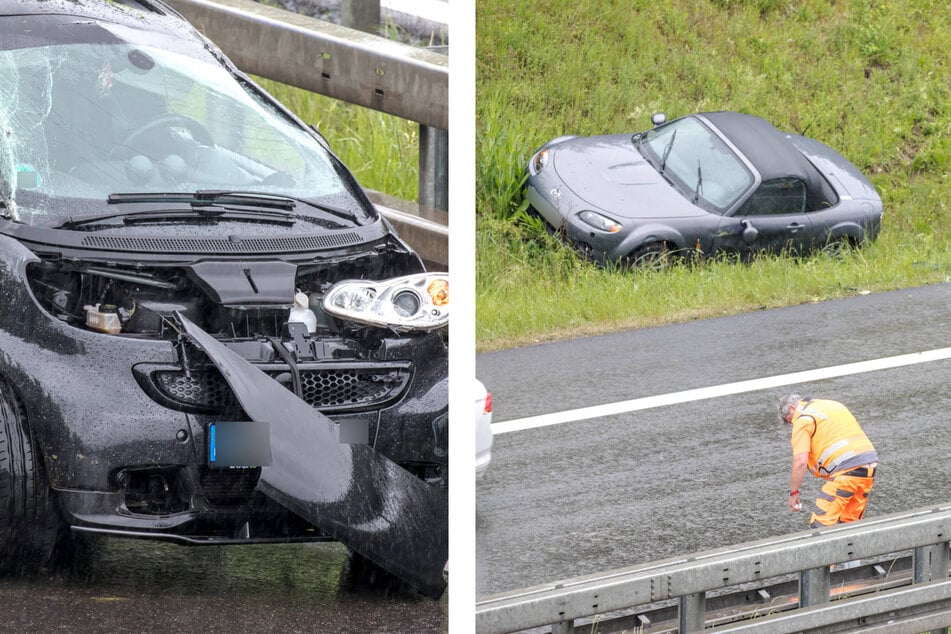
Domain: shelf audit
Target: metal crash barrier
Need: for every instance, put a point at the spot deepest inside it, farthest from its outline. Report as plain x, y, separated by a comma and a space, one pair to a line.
356, 67
922, 603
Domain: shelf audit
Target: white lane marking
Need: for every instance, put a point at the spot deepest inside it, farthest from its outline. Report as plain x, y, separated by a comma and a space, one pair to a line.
674, 398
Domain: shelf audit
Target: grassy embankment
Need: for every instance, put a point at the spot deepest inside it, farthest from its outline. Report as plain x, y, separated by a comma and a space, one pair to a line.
869, 78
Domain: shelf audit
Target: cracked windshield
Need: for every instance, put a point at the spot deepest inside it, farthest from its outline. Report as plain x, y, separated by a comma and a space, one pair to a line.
91, 119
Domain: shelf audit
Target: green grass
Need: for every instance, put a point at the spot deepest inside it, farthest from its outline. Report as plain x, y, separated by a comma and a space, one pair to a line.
870, 78
381, 150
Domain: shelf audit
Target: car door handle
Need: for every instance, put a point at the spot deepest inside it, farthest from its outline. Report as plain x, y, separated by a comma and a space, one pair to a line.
794, 227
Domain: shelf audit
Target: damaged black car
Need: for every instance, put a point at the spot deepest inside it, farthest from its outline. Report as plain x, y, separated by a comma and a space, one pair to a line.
208, 334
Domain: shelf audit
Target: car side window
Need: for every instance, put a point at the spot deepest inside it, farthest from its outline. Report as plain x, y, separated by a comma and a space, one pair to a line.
776, 197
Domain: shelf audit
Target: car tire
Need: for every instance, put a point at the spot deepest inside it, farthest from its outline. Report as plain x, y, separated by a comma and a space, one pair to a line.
838, 248
30, 522
653, 256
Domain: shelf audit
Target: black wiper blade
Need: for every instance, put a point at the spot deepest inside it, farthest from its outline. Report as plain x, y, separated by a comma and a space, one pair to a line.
670, 145
699, 183
207, 204
201, 213
204, 204
207, 197
331, 209
257, 215
128, 216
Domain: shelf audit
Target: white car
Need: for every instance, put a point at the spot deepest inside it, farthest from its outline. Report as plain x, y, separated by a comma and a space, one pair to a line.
483, 428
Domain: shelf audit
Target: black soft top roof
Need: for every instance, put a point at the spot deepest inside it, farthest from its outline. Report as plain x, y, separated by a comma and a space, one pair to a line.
765, 146
771, 153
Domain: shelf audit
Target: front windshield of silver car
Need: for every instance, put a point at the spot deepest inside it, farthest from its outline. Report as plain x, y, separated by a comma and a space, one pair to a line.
700, 165
86, 120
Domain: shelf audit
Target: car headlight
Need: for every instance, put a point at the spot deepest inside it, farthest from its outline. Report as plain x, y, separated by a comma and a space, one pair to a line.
539, 161
598, 221
413, 302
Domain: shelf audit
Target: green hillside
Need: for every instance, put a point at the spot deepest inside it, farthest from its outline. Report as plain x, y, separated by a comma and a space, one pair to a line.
870, 78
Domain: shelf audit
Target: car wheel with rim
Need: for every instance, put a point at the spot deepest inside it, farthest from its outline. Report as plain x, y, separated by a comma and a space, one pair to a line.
838, 248
30, 523
653, 256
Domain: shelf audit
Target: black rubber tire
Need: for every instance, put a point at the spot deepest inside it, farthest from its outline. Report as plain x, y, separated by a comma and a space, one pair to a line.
838, 248
653, 256
30, 522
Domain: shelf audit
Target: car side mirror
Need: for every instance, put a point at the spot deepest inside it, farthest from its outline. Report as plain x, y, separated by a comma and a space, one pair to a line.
750, 233
658, 118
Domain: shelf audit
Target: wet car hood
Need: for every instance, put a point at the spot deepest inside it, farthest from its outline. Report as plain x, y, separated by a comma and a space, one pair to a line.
350, 491
609, 173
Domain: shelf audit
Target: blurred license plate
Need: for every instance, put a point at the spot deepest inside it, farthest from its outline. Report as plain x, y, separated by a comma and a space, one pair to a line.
239, 444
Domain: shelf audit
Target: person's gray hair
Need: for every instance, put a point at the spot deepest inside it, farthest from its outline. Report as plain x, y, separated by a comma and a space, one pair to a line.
785, 403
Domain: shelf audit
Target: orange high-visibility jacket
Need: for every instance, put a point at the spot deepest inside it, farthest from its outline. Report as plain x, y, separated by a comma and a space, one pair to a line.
832, 436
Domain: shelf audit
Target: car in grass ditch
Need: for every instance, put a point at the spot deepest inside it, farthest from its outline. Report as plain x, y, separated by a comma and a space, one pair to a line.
209, 333
703, 184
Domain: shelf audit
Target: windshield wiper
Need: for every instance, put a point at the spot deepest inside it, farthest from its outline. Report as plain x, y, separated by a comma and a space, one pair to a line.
670, 145
205, 204
151, 215
332, 210
208, 204
211, 197
696, 195
207, 197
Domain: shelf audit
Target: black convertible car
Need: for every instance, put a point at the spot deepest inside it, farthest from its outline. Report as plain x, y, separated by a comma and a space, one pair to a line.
208, 334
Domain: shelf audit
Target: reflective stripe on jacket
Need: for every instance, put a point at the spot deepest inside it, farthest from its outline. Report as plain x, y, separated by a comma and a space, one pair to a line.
836, 443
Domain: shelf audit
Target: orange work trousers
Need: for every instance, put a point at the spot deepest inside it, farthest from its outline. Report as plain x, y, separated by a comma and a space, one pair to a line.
842, 499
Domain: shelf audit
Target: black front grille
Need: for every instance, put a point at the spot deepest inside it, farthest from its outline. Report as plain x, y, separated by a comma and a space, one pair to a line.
327, 389
204, 389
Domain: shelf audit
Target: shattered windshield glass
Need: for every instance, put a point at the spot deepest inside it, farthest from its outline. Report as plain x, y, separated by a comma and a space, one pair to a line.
81, 121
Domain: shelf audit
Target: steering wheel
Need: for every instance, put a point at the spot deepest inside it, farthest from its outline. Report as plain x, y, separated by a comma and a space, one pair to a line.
168, 121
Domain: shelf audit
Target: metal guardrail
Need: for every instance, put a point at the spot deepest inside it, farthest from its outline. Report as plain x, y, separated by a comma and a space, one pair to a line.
916, 608
322, 57
352, 66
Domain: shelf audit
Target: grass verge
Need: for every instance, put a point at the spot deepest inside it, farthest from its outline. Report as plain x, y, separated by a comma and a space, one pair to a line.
868, 78
381, 150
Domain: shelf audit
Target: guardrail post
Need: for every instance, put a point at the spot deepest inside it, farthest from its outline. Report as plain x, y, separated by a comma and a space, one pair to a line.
814, 586
693, 612
361, 14
433, 168
930, 563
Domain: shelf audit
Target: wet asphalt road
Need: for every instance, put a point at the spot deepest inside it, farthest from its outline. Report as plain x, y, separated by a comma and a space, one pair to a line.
593, 495
119, 585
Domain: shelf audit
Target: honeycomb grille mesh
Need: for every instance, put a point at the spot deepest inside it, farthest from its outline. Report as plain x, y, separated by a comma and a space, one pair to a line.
337, 389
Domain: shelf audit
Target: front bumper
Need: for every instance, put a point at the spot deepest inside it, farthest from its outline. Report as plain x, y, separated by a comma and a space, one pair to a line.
122, 461
319, 484
598, 246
